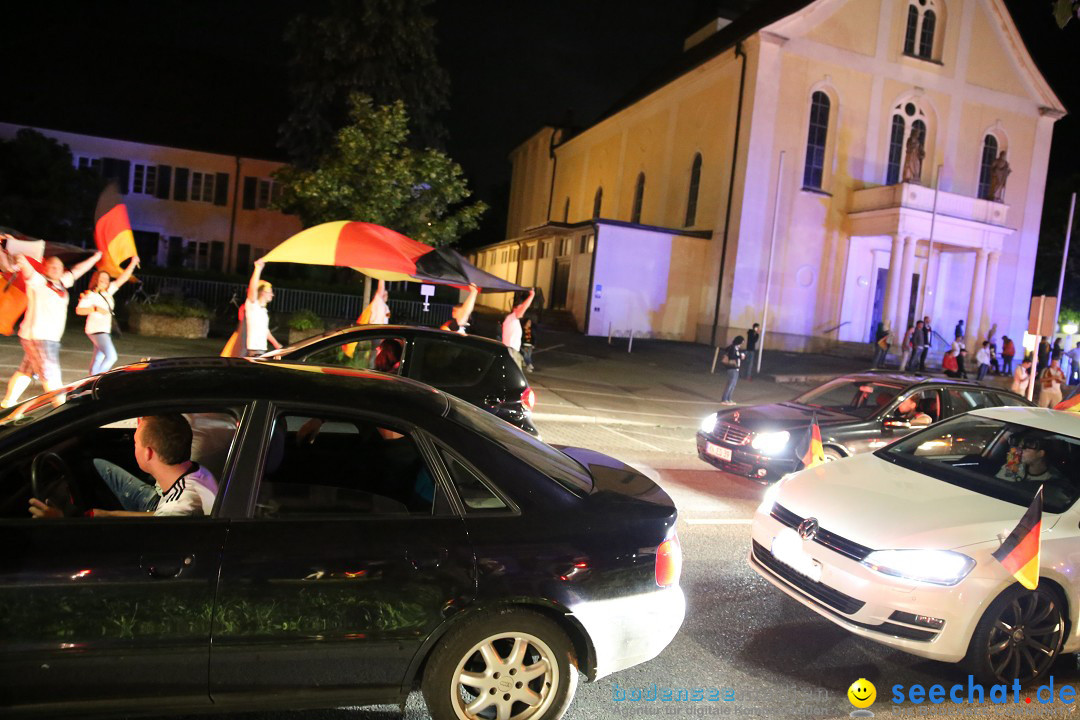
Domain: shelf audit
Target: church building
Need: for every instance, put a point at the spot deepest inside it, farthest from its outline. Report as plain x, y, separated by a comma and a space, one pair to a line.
816, 166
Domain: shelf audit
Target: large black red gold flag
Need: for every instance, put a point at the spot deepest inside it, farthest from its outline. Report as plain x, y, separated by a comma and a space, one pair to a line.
112, 231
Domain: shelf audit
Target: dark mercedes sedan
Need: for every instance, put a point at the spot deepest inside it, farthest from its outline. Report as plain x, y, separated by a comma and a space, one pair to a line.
476, 369
856, 413
368, 535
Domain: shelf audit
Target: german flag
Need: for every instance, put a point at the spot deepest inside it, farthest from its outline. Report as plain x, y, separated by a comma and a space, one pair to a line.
13, 297
815, 453
1070, 405
1020, 551
112, 231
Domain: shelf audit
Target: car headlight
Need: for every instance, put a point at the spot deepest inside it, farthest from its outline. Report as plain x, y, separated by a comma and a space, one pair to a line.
939, 567
708, 424
770, 443
769, 498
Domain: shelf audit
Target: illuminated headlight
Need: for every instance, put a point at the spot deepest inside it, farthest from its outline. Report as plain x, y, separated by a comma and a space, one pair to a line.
708, 424
939, 567
770, 443
769, 498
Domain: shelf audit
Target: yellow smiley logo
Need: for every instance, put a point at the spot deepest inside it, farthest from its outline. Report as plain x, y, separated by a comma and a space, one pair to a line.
862, 693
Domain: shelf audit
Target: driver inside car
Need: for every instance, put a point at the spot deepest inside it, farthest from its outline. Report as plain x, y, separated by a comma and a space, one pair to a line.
908, 411
163, 450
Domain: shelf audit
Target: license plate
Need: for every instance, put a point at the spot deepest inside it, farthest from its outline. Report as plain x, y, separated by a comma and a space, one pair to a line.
788, 548
718, 452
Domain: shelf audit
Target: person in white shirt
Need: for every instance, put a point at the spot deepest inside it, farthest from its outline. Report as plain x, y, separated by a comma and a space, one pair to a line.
163, 450
511, 328
377, 311
983, 359
460, 314
43, 324
97, 304
256, 316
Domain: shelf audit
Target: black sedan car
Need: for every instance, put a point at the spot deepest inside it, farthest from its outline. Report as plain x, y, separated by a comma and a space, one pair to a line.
369, 535
856, 413
475, 369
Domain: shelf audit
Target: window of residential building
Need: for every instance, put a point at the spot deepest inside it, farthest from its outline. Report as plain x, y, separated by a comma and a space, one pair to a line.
88, 163
514, 255
814, 168
989, 154
202, 187
264, 193
921, 34
639, 196
144, 179
598, 200
180, 190
543, 250
566, 246
695, 183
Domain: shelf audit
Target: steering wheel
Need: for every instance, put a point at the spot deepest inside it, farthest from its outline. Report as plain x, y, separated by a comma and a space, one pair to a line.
50, 479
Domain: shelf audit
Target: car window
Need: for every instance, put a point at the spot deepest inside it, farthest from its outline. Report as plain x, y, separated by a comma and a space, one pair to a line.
861, 398
447, 363
50, 404
328, 465
1009, 400
93, 465
475, 494
995, 458
384, 354
964, 399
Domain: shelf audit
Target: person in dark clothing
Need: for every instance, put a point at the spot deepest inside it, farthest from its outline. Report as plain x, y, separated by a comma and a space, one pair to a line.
882, 343
752, 337
928, 337
1008, 351
958, 331
732, 359
1044, 353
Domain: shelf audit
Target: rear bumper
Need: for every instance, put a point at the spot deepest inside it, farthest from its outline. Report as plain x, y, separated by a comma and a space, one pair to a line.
627, 631
748, 463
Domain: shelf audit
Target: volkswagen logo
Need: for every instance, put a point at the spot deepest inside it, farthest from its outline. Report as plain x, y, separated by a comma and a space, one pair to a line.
808, 529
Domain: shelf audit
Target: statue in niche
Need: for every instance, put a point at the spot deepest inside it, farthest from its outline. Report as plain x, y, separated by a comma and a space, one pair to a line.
999, 173
914, 157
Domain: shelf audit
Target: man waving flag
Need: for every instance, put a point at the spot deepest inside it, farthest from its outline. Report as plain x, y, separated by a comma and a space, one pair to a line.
112, 231
1020, 551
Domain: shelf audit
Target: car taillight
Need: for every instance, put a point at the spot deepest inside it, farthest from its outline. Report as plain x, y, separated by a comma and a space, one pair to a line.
528, 398
669, 562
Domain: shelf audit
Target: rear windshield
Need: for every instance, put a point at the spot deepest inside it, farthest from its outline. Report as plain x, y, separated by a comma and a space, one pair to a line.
861, 398
556, 465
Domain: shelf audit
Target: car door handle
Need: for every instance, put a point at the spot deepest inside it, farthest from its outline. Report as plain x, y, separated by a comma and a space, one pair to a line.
426, 559
164, 567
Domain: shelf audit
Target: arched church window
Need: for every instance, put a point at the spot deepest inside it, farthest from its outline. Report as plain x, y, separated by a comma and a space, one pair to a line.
695, 183
639, 195
896, 150
908, 118
598, 200
912, 31
989, 154
814, 168
926, 34
924, 20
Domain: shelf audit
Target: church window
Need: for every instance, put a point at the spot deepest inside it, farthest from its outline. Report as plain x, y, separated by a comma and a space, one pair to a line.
926, 35
921, 33
695, 184
814, 169
896, 150
908, 117
639, 196
912, 30
989, 154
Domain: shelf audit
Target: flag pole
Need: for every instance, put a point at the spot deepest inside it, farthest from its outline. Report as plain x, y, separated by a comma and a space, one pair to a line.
1064, 261
930, 248
768, 273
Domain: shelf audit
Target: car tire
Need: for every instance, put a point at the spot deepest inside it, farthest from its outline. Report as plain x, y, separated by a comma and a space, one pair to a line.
832, 454
496, 648
1018, 637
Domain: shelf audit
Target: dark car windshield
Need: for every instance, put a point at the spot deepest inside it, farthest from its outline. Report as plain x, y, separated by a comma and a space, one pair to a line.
556, 465
42, 406
996, 458
861, 398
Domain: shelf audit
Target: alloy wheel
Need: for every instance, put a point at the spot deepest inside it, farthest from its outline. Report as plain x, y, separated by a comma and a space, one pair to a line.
508, 676
1025, 637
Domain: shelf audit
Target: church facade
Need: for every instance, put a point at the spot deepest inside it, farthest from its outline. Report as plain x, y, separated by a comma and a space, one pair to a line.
818, 167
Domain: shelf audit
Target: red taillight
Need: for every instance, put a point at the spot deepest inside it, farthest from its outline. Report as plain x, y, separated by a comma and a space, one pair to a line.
528, 398
669, 562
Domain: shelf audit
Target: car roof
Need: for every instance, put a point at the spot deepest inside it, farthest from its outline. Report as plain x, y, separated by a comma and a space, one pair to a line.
912, 379
1055, 421
414, 330
180, 379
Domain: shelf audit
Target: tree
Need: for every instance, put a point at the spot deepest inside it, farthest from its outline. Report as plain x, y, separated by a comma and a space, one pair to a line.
382, 48
1065, 10
42, 194
371, 174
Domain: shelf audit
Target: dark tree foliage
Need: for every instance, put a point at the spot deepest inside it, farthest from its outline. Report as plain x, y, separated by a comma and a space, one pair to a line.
42, 194
384, 49
1055, 220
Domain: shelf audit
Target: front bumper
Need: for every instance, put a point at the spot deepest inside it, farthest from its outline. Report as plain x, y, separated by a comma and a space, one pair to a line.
746, 461
888, 610
627, 631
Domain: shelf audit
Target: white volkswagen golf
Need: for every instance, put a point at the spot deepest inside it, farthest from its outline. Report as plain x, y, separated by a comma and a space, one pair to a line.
896, 545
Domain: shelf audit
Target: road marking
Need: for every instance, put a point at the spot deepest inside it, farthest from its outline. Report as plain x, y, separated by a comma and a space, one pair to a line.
627, 396
721, 521
632, 439
537, 351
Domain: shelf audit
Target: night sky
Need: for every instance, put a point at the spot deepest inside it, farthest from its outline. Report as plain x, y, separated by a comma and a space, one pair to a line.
212, 75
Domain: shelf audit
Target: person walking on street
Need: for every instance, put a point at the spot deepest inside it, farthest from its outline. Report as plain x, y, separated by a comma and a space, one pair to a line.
928, 339
983, 359
732, 359
460, 314
511, 328
918, 340
527, 343
1021, 376
1008, 351
905, 355
97, 304
256, 316
752, 337
882, 343
43, 324
1044, 353
1050, 381
377, 311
